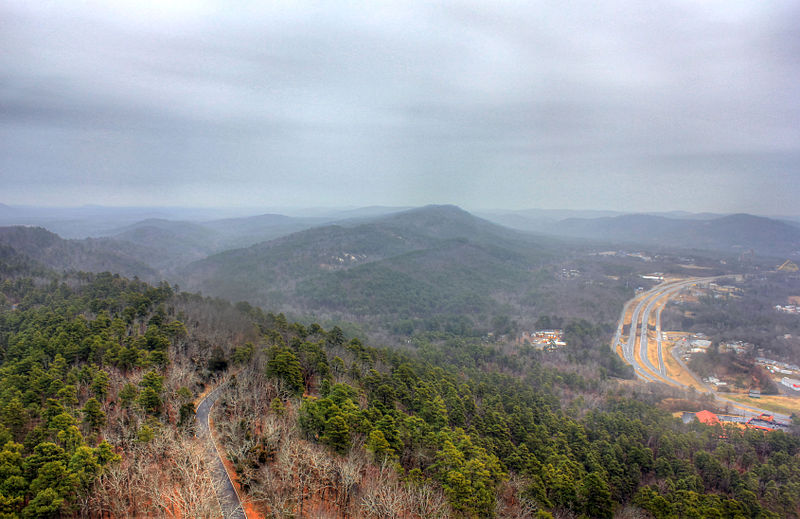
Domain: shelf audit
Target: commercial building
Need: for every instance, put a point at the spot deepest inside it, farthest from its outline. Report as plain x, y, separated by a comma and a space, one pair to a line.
791, 383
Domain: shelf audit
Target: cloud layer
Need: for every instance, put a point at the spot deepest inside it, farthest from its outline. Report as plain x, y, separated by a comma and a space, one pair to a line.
618, 105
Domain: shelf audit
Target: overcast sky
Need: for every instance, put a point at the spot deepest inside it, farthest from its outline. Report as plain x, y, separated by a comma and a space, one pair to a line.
629, 106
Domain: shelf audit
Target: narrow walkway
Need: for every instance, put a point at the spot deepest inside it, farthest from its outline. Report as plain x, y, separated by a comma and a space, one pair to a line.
229, 501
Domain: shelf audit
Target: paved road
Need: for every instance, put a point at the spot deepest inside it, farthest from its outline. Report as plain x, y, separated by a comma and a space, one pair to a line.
628, 347
665, 294
643, 367
639, 326
640, 320
228, 498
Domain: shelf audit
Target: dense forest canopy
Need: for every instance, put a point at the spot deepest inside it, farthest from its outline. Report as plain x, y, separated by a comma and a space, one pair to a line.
99, 377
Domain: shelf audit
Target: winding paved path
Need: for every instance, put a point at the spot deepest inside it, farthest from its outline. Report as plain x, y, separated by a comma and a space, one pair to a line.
229, 501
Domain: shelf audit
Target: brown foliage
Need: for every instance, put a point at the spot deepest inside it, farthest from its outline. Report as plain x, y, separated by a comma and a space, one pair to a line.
284, 475
167, 476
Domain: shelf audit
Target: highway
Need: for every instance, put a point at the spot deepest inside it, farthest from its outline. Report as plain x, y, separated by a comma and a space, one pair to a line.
639, 321
229, 502
664, 293
645, 370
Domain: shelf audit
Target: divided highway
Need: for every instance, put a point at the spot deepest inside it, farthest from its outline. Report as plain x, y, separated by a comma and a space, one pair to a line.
229, 501
639, 321
639, 326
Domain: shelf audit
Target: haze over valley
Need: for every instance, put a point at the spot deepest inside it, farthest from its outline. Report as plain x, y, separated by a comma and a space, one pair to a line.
403, 260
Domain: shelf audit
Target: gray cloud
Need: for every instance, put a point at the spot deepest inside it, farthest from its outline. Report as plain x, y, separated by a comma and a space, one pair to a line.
475, 103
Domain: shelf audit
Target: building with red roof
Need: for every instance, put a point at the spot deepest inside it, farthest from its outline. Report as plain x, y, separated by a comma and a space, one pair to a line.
707, 418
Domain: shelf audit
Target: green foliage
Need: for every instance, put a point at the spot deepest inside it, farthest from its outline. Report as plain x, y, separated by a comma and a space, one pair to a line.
100, 384
596, 497
444, 417
145, 434
277, 406
149, 401
128, 394
242, 354
337, 433
450, 410
93, 414
283, 364
47, 503
378, 446
186, 414
469, 475
59, 346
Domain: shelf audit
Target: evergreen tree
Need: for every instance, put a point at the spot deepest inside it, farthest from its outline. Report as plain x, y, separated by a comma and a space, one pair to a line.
596, 496
337, 434
378, 446
285, 366
100, 384
93, 414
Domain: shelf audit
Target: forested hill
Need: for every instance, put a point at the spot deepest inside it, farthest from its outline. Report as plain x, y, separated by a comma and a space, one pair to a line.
732, 233
99, 375
170, 244
93, 255
433, 260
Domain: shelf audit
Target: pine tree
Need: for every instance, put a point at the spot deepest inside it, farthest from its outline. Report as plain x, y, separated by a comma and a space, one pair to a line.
128, 394
93, 414
378, 446
337, 433
149, 401
597, 497
285, 366
100, 384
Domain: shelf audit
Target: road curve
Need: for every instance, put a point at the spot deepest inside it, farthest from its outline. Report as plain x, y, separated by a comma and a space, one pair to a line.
229, 502
627, 348
663, 292
640, 319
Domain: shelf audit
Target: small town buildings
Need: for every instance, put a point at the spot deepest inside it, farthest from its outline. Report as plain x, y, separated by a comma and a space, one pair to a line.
724, 289
764, 422
700, 345
736, 347
544, 339
569, 274
791, 383
707, 418
774, 366
715, 381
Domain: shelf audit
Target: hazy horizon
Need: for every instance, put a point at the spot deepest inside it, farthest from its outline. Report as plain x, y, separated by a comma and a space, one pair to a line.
311, 211
621, 106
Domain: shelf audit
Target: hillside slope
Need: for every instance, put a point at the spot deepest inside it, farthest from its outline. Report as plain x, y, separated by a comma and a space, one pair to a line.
732, 233
90, 255
432, 260
170, 244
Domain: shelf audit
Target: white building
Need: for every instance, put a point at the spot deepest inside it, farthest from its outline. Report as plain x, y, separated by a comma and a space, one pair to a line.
791, 383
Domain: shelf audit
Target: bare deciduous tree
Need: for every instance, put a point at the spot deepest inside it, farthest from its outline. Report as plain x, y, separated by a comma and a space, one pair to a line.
383, 496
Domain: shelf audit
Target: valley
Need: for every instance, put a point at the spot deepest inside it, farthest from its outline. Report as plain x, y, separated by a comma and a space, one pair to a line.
402, 379
399, 260
643, 349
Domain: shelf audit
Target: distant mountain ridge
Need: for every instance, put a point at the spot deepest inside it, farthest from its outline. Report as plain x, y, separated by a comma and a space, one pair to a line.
91, 255
442, 259
425, 260
737, 232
